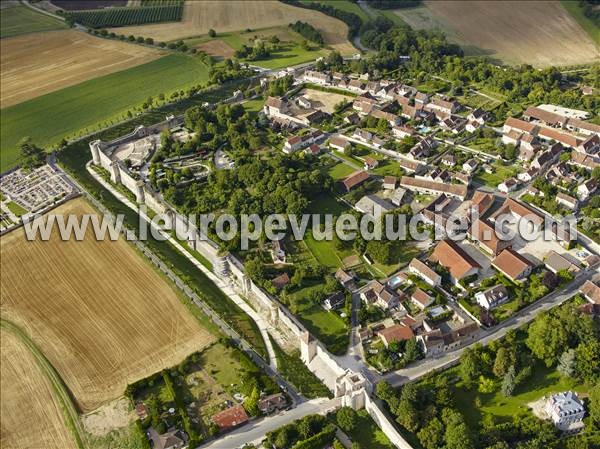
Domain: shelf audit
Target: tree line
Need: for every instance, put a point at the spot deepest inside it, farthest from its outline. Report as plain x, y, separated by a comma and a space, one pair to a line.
307, 31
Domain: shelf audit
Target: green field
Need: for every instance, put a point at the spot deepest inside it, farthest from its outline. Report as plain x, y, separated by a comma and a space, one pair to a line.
343, 5
18, 19
289, 53
367, 434
500, 174
339, 171
16, 209
587, 24
94, 103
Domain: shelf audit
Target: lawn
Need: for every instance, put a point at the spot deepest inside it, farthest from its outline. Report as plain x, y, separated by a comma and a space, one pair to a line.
18, 19
588, 25
290, 52
367, 434
328, 327
254, 106
407, 253
326, 203
94, 103
324, 252
339, 171
293, 369
500, 174
351, 159
16, 209
542, 382
387, 167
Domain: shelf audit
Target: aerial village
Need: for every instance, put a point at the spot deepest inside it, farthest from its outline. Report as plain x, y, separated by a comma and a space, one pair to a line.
429, 155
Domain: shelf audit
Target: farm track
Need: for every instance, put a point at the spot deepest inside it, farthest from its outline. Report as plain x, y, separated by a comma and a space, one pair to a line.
61, 393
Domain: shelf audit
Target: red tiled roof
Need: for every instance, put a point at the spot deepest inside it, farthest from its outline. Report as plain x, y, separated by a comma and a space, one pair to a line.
521, 125
484, 233
422, 297
591, 291
230, 418
511, 263
454, 258
355, 178
517, 208
396, 333
566, 139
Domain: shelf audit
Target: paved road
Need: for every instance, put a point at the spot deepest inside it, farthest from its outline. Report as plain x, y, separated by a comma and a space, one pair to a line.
254, 432
521, 318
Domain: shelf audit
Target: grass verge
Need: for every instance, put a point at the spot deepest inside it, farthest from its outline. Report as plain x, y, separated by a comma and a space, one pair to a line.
293, 369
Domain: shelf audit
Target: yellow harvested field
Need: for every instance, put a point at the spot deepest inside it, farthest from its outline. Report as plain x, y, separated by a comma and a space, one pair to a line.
238, 15
540, 33
38, 63
97, 310
31, 415
324, 100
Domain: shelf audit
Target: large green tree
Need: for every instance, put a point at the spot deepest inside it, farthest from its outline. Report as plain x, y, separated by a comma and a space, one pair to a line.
547, 338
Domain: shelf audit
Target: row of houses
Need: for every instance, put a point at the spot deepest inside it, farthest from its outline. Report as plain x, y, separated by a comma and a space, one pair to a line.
527, 135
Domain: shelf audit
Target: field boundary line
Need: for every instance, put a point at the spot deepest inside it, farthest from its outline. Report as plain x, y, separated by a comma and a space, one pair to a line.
42, 11
62, 394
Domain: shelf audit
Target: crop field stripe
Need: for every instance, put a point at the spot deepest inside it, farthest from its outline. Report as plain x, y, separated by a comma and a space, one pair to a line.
69, 111
19, 19
63, 395
115, 17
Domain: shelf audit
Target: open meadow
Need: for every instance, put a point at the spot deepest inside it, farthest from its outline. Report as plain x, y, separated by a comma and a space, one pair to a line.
16, 19
540, 33
36, 64
82, 108
236, 15
99, 312
31, 414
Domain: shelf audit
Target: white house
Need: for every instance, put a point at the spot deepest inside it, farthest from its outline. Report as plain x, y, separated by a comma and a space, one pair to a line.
470, 166
586, 188
317, 77
508, 186
401, 132
566, 411
420, 269
567, 200
338, 143
492, 297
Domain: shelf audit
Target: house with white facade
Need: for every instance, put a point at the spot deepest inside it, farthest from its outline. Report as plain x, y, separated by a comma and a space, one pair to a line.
566, 411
